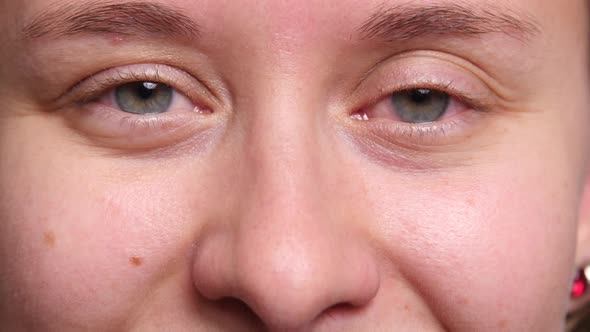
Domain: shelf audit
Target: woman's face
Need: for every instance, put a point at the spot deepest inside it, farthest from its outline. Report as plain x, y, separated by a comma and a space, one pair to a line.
291, 165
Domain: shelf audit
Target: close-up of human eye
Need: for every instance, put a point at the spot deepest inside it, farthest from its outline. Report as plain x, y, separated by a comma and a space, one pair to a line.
415, 106
145, 89
139, 106
426, 106
143, 98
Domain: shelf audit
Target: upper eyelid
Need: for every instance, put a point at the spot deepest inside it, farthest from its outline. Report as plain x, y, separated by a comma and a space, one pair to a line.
96, 84
421, 70
469, 99
480, 103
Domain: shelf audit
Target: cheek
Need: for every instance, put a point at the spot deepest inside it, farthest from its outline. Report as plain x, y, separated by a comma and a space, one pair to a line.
79, 248
482, 248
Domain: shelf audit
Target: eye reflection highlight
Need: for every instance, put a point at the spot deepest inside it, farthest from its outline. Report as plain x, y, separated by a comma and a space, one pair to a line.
144, 97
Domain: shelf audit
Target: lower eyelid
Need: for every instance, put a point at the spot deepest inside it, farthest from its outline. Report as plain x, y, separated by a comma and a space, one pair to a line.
113, 122
128, 132
420, 136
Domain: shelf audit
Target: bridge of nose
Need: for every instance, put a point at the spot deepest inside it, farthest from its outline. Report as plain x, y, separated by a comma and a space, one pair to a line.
288, 252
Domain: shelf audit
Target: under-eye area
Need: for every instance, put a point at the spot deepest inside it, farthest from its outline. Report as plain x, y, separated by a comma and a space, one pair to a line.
420, 104
143, 106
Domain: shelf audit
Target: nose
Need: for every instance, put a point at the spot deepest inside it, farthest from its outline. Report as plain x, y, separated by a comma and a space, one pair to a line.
291, 247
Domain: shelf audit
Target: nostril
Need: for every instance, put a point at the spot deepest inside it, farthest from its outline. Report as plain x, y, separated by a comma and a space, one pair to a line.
233, 314
340, 310
233, 304
286, 280
237, 307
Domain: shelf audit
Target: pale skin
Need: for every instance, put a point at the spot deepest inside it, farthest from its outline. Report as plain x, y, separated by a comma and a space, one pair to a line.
280, 191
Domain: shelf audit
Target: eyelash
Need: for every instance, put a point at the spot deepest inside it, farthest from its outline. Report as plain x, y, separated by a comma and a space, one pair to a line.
87, 93
97, 84
431, 133
104, 124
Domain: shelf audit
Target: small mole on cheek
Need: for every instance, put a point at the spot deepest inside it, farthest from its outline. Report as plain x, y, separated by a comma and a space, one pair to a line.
135, 261
49, 239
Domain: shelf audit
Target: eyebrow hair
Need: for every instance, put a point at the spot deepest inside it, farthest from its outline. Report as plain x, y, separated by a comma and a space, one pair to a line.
104, 17
408, 21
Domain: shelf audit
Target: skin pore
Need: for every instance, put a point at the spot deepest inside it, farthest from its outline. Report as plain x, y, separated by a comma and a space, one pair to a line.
274, 183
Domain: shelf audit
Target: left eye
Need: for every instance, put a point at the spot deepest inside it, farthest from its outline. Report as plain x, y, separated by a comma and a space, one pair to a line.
414, 106
144, 97
420, 105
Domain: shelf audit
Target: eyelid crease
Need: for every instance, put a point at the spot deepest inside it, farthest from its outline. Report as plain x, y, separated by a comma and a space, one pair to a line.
473, 101
440, 59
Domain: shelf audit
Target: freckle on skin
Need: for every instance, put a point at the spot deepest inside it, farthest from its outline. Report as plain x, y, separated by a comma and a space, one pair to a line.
49, 238
135, 261
463, 300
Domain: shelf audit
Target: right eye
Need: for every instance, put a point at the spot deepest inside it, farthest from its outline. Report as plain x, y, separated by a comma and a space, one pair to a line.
140, 107
144, 97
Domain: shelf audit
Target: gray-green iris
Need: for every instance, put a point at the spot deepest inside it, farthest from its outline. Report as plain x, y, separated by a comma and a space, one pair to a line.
420, 105
144, 97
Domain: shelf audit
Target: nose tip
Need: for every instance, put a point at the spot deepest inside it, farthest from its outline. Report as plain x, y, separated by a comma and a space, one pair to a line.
288, 245
293, 287
288, 282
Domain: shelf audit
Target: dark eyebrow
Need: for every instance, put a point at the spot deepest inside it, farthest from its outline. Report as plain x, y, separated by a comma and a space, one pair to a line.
409, 21
104, 17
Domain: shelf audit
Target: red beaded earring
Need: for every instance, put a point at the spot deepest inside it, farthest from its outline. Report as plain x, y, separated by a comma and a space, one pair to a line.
580, 285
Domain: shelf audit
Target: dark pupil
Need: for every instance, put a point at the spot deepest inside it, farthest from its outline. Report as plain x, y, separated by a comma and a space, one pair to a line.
420, 105
146, 90
420, 96
144, 97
